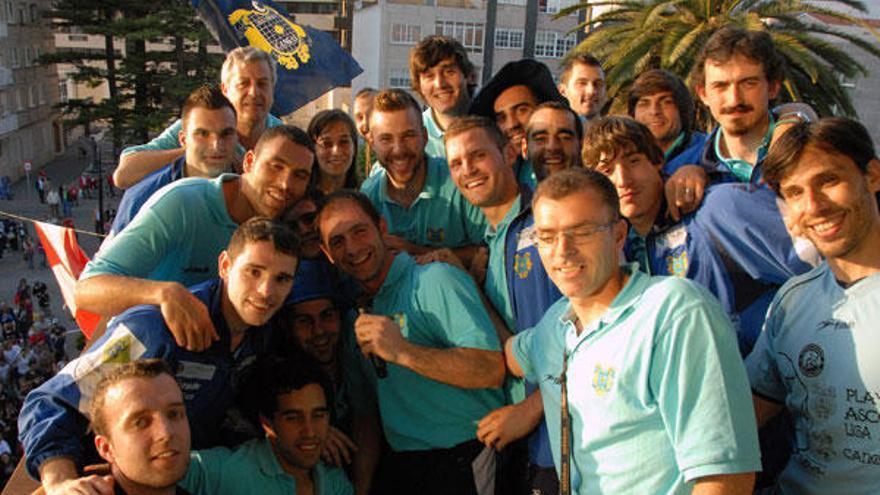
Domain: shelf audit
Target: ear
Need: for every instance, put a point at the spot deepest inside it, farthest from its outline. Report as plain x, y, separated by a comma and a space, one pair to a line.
561, 88
181, 136
224, 263
524, 149
268, 429
873, 175
620, 230
105, 448
509, 153
248, 163
773, 88
383, 226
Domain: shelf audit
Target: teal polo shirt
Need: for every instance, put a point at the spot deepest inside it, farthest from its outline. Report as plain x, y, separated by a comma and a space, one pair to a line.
495, 285
436, 305
253, 469
525, 173
439, 217
658, 394
169, 138
435, 147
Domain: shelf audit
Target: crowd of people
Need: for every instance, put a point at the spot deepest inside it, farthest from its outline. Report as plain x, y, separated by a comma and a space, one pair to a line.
522, 295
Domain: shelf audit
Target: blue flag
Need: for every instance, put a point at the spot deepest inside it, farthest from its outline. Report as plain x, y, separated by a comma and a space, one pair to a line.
309, 61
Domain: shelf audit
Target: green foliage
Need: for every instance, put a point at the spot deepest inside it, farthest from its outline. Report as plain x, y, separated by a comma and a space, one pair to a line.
637, 35
159, 57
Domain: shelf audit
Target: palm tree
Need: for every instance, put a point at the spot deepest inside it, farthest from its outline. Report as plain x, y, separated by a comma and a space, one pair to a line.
635, 35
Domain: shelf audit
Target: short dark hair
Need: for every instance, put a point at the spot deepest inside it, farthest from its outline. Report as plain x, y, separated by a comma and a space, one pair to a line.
262, 229
731, 40
290, 132
656, 81
465, 123
573, 180
391, 100
615, 134
838, 135
141, 368
580, 58
434, 49
205, 96
358, 198
316, 126
278, 375
565, 107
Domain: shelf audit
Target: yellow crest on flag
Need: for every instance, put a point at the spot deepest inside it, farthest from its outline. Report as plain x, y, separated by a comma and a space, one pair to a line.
273, 33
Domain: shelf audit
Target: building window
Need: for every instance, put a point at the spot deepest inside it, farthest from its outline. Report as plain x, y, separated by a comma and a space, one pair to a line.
3, 103
14, 58
20, 97
399, 78
22, 13
41, 93
62, 91
32, 96
512, 2
508, 38
405, 34
10, 12
469, 34
554, 6
27, 56
35, 13
549, 44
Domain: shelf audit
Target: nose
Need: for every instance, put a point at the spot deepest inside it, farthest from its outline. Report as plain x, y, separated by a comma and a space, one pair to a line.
553, 143
815, 201
657, 108
734, 94
620, 176
163, 428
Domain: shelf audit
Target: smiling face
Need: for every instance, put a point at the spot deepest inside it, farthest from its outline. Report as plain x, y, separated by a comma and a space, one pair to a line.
354, 243
256, 282
444, 87
638, 183
316, 326
659, 113
833, 202
334, 149
209, 139
581, 266
276, 175
585, 89
147, 437
250, 88
738, 94
552, 144
298, 428
399, 139
481, 170
512, 108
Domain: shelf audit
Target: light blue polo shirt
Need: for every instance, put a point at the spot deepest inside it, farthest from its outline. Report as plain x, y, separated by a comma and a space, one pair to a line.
435, 147
436, 305
439, 217
176, 236
658, 394
252, 468
169, 138
818, 355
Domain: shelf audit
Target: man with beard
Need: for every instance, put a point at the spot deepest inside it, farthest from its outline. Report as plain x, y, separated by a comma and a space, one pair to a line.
814, 357
175, 239
139, 420
510, 97
255, 275
553, 139
295, 410
247, 78
208, 139
582, 83
444, 78
412, 191
515, 283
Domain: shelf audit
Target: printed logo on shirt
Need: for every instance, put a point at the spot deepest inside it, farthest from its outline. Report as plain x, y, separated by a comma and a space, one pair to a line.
526, 238
400, 319
677, 265
434, 235
673, 238
195, 371
835, 324
522, 264
603, 379
811, 360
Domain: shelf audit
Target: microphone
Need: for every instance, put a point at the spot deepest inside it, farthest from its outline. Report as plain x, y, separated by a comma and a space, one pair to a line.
379, 364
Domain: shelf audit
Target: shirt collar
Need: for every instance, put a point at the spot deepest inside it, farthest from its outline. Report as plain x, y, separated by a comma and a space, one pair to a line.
429, 189
399, 267
431, 124
511, 214
672, 149
742, 169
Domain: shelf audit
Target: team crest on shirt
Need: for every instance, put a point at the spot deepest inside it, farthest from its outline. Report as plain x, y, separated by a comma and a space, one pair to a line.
811, 360
677, 265
522, 264
434, 235
400, 319
603, 379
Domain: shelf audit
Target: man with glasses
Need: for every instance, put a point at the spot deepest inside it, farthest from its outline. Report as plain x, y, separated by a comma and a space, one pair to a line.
662, 403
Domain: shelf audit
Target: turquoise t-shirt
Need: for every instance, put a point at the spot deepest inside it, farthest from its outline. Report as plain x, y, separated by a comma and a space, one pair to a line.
439, 217
169, 138
495, 285
252, 468
525, 173
818, 356
436, 305
658, 395
435, 147
176, 236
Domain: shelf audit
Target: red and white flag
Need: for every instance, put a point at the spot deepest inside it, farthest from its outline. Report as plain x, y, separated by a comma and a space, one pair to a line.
67, 260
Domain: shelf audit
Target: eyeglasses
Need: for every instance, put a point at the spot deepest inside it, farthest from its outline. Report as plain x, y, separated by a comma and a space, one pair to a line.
576, 235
